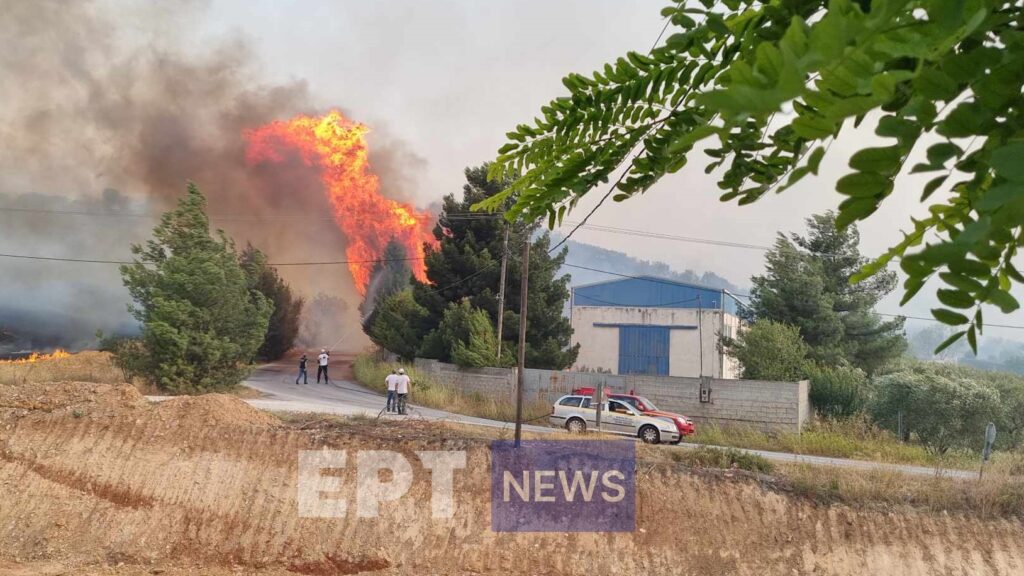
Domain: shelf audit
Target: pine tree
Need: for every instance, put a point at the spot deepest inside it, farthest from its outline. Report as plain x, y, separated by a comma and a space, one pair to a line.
397, 324
807, 285
284, 321
389, 276
201, 322
467, 265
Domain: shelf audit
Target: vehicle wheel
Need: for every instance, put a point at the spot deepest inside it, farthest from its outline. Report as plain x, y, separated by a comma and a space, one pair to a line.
650, 435
576, 426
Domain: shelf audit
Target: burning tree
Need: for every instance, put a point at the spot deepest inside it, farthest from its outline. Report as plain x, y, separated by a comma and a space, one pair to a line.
389, 276
201, 322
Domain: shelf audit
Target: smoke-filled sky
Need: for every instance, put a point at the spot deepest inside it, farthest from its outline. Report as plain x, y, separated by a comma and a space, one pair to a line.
140, 96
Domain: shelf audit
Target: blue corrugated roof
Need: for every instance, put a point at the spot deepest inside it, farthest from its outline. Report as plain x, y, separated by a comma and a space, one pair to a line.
652, 292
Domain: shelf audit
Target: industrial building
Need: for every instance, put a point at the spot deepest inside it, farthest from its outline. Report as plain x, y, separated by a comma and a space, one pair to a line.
648, 325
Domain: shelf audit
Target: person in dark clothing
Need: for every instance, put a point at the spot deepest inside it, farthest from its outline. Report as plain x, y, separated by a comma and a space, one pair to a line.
302, 371
321, 368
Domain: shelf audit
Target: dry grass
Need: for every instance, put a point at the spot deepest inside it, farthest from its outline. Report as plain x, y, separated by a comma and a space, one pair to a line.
854, 438
87, 366
81, 367
999, 493
426, 392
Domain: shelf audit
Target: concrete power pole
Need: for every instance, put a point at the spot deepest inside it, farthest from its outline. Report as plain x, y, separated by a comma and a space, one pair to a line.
501, 289
522, 340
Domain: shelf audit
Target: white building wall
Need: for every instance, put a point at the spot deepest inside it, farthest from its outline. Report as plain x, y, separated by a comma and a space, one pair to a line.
599, 345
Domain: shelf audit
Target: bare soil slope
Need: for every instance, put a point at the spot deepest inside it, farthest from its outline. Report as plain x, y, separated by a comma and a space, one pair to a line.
94, 479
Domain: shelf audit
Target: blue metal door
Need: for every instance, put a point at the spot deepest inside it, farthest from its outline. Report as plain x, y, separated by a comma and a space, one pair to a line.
643, 350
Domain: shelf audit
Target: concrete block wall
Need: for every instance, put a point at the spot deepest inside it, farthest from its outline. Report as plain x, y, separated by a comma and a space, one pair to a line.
500, 381
760, 404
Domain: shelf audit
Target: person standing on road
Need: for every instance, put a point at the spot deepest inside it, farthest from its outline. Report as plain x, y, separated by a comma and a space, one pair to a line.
402, 382
321, 368
302, 371
391, 381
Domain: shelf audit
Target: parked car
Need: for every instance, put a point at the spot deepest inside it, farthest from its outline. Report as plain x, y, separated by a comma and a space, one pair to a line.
684, 425
576, 414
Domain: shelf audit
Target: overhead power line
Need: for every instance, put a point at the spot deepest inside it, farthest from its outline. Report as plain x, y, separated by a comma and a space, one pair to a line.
473, 275
97, 261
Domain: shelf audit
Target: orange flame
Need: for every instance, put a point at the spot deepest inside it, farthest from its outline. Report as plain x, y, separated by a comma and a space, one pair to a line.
37, 357
369, 220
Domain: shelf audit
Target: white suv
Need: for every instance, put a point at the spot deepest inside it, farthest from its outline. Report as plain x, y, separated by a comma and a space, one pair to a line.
576, 414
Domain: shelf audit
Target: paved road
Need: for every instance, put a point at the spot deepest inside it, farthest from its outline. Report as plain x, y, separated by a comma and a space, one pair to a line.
277, 383
342, 397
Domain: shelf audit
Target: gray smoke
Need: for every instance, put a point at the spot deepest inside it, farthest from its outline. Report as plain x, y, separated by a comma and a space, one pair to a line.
97, 100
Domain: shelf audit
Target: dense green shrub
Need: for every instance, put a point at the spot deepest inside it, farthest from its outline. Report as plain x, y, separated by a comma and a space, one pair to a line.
943, 409
837, 392
467, 332
769, 350
397, 322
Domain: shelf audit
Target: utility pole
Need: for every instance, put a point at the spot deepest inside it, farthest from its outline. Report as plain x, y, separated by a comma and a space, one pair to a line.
700, 332
522, 339
501, 288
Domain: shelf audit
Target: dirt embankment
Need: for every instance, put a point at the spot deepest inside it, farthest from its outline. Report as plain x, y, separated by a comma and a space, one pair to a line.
93, 479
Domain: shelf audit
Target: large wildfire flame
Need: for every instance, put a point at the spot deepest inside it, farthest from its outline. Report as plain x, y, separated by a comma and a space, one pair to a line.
37, 357
369, 220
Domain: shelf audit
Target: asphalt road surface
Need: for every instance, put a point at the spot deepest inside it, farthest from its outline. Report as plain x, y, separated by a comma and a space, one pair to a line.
343, 397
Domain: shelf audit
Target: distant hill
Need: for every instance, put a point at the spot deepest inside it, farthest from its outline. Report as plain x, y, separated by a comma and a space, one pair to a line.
601, 258
994, 353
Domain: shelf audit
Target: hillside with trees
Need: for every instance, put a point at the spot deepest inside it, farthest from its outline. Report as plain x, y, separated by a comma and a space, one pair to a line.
583, 254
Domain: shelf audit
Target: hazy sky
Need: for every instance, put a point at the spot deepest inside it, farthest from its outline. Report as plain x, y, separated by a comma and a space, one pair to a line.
449, 78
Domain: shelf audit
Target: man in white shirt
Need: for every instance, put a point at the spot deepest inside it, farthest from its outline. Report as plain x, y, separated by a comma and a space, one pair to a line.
321, 368
391, 380
402, 382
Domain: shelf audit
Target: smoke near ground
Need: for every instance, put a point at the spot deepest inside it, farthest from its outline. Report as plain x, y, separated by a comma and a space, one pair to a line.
98, 99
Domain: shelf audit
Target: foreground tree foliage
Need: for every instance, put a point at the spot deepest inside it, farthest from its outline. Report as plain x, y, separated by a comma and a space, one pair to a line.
934, 75
807, 284
283, 327
467, 266
202, 323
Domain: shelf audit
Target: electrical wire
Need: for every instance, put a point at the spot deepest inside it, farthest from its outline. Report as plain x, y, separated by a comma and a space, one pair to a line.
97, 261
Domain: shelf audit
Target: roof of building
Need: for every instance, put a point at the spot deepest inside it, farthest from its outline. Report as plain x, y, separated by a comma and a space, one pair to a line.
652, 292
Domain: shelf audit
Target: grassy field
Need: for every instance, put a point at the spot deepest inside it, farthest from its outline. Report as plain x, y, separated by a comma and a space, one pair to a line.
855, 438
425, 392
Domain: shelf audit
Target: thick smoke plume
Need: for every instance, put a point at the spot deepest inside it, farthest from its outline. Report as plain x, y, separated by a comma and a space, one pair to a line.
93, 105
